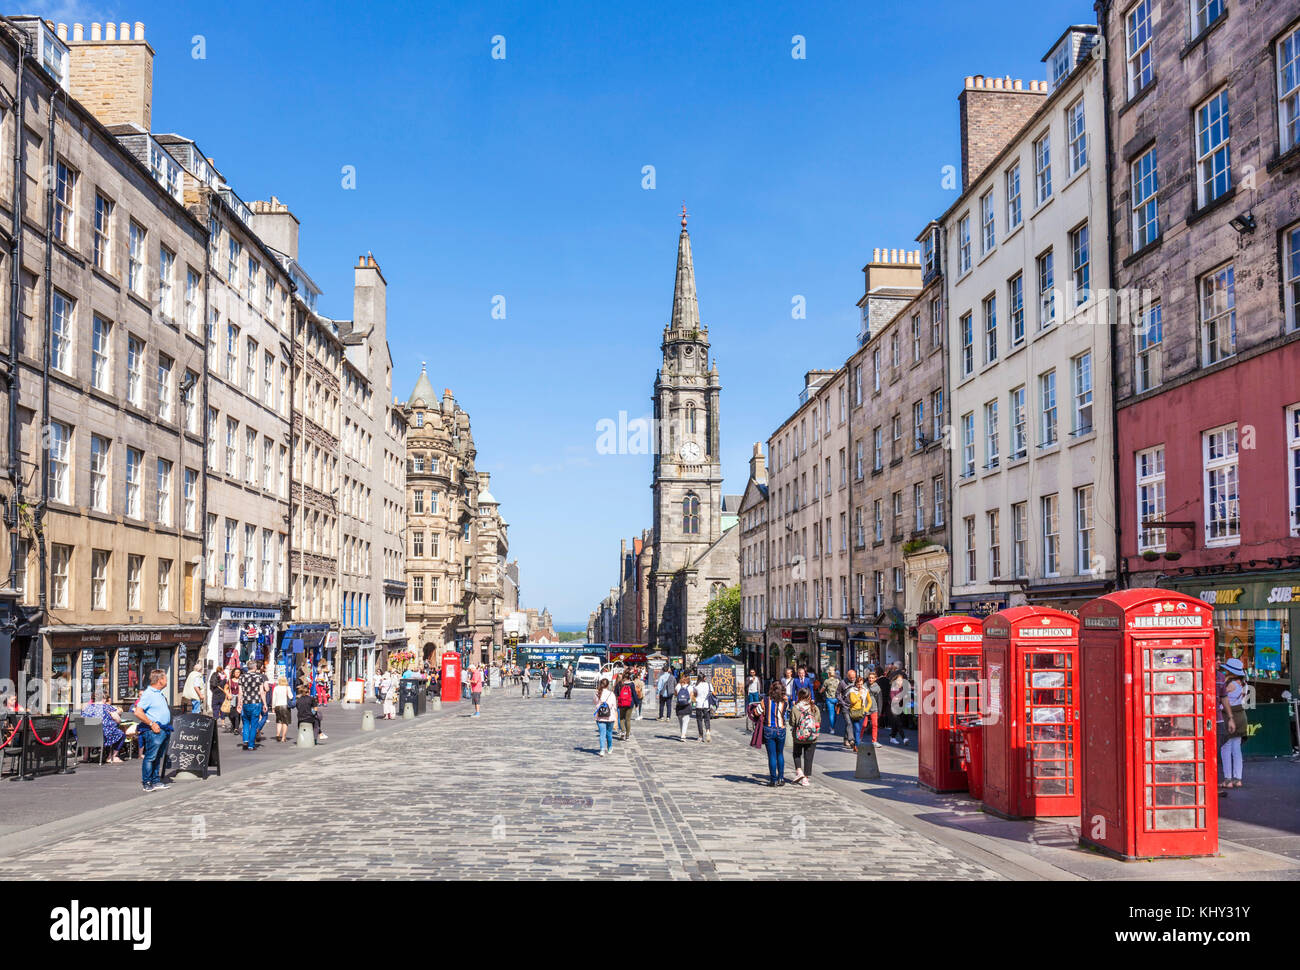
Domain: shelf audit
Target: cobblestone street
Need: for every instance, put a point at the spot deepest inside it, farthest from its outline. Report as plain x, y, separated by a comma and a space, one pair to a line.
516, 793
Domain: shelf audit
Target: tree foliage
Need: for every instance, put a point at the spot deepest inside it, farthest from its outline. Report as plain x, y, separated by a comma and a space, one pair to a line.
721, 633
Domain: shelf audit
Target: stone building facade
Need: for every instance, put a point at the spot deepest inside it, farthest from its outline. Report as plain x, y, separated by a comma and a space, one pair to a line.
1025, 264
443, 523
754, 541
1204, 135
105, 381
692, 558
311, 634
899, 467
808, 558
245, 417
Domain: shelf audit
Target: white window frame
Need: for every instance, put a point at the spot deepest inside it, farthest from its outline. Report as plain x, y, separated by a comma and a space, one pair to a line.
1149, 474
1048, 415
1215, 314
1204, 14
1221, 473
1144, 199
1076, 136
1291, 275
1019, 430
1042, 169
963, 245
1015, 210
992, 439
988, 229
1137, 39
1051, 521
1081, 380
1288, 91
1213, 119
1293, 465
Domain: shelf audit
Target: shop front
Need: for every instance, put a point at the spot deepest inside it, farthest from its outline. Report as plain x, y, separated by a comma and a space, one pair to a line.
1255, 617
243, 634
394, 641
112, 665
1067, 598
303, 646
831, 651
358, 652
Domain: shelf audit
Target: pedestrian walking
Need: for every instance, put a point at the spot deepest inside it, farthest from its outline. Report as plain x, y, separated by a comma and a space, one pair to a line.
280, 698
525, 688
605, 717
899, 688
859, 708
702, 697
787, 684
193, 691
665, 690
772, 717
873, 709
217, 691
568, 682
845, 702
802, 680
1232, 714
682, 704
252, 693
390, 696
476, 687
753, 689
626, 694
155, 713
831, 691
805, 718
638, 684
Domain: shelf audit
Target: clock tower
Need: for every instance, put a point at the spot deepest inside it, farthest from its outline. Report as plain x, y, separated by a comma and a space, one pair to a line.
687, 479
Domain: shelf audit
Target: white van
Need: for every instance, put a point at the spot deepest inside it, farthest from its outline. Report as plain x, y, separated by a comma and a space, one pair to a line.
587, 673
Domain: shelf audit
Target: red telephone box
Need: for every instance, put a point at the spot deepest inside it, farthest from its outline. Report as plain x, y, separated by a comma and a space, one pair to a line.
1031, 713
948, 655
1147, 669
451, 676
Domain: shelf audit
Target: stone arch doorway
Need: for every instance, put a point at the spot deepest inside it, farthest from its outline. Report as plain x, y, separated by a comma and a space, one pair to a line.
431, 654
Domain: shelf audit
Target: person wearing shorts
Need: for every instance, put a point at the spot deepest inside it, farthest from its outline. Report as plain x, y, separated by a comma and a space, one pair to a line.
280, 698
475, 687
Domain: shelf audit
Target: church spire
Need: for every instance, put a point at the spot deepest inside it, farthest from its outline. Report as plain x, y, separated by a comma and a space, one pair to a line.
686, 310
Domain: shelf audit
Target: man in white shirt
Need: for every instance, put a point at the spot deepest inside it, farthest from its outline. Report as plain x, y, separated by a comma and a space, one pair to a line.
193, 691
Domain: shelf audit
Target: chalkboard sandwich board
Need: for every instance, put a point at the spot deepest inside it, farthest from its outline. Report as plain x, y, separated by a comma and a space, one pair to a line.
193, 746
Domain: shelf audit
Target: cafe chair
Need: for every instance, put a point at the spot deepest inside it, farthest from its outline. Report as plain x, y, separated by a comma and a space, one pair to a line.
12, 750
90, 737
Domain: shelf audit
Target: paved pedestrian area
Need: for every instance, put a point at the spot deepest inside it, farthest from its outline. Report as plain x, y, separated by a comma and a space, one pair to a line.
516, 793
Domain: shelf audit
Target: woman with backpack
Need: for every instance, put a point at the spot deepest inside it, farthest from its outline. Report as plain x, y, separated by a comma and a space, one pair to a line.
683, 703
831, 691
805, 718
772, 714
626, 695
605, 717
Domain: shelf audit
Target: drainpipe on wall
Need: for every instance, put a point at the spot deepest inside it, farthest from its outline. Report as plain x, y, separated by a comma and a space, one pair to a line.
1102, 6
15, 311
37, 662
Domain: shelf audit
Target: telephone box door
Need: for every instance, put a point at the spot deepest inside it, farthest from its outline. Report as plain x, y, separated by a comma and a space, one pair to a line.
451, 676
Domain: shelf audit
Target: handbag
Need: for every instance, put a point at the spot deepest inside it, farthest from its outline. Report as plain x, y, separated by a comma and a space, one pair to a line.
1239, 727
225, 705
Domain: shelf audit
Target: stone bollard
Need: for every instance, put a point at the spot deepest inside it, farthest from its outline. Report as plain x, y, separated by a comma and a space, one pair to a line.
368, 721
435, 704
867, 767
408, 711
306, 736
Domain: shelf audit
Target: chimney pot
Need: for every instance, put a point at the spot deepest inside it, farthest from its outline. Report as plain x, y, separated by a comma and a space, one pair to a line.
95, 32
970, 83
62, 31
110, 31
139, 30
124, 31
77, 32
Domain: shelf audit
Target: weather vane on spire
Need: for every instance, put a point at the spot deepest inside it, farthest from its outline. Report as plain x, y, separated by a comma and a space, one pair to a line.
683, 213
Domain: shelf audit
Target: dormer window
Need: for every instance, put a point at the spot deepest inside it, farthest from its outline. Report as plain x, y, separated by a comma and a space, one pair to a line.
54, 56
1060, 64
928, 249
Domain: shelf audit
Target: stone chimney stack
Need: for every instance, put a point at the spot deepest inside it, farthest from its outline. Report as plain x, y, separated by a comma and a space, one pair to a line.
757, 465
276, 225
370, 298
992, 111
112, 76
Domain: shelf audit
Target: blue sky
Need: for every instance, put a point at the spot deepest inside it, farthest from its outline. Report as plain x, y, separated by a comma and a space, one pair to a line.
522, 177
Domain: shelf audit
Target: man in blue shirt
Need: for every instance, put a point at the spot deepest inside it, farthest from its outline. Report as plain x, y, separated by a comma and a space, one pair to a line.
155, 716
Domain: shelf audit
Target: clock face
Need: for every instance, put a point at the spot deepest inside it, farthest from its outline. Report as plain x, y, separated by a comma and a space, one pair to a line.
690, 451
